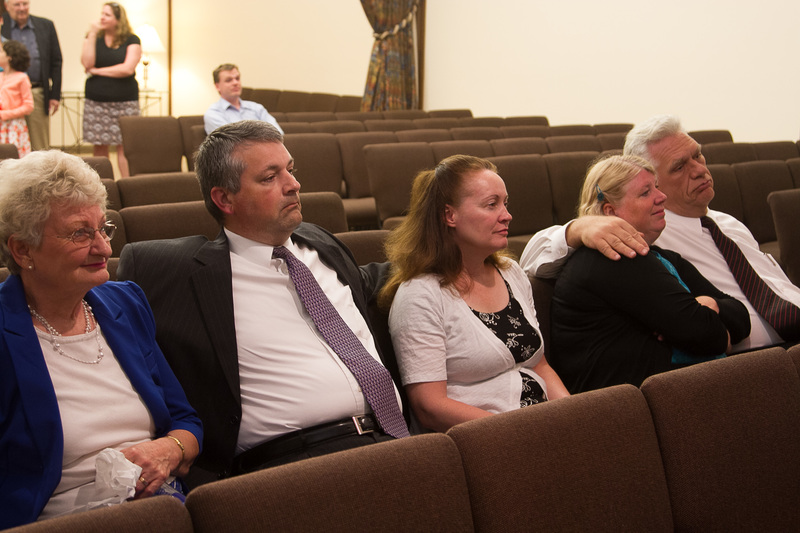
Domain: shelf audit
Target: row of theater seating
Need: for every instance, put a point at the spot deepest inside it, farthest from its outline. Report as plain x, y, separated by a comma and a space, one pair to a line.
712, 447
282, 101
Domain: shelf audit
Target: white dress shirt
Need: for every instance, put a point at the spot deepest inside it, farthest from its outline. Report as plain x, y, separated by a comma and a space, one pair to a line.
223, 112
548, 250
289, 377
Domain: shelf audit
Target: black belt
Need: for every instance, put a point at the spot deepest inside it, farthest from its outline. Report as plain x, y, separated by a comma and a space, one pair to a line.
36, 85
297, 441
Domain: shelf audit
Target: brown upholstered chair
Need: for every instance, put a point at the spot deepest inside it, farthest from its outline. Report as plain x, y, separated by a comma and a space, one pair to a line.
168, 221
424, 135
612, 140
101, 165
120, 235
530, 130
152, 144
159, 189
393, 124
519, 145
781, 150
729, 432
411, 484
324, 209
530, 201
620, 127
476, 133
113, 200
711, 136
407, 114
132, 517
191, 138
359, 115
567, 171
437, 123
323, 102
558, 441
794, 168
318, 162
347, 103
529, 120
571, 129
289, 101
729, 152
478, 148
366, 245
756, 180
727, 196
338, 126
297, 127
266, 97
449, 113
543, 289
785, 208
573, 143
309, 116
391, 169
494, 122
8, 151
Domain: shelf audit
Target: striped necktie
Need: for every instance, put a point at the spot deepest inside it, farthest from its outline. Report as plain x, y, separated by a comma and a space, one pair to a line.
372, 377
781, 315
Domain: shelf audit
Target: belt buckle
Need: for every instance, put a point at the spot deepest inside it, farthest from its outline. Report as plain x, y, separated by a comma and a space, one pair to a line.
359, 429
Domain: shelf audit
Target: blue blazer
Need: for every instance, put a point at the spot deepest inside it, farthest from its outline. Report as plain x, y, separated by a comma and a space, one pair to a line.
31, 438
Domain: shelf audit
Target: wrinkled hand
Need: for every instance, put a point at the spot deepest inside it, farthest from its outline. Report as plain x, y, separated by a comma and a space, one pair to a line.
610, 235
157, 459
709, 302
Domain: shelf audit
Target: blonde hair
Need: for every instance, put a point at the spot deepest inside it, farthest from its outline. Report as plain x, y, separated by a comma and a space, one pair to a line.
606, 180
123, 30
423, 243
30, 186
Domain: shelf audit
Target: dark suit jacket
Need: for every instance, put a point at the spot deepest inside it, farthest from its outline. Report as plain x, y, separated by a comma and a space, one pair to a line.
49, 55
188, 284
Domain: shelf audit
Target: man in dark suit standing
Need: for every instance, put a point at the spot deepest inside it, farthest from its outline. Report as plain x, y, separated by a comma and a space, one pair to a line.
39, 36
233, 320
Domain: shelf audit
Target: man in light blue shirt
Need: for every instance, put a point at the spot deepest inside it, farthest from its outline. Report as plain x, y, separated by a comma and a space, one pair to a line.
230, 107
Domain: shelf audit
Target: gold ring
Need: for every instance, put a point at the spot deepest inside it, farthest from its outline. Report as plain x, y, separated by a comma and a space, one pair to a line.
142, 480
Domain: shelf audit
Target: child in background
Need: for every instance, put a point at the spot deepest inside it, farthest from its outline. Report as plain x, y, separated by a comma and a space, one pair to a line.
16, 98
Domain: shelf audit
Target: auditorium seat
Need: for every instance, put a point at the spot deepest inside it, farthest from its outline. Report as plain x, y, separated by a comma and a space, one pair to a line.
729, 152
324, 209
289, 101
323, 102
317, 160
449, 113
549, 454
168, 221
120, 236
152, 144
191, 140
785, 209
494, 122
8, 151
309, 116
394, 124
567, 171
622, 127
159, 189
476, 133
729, 433
781, 150
338, 126
347, 103
113, 200
521, 120
437, 123
361, 116
727, 196
611, 140
529, 198
391, 169
519, 145
530, 130
711, 136
406, 114
424, 135
411, 484
366, 245
266, 97
573, 143
478, 148
297, 127
571, 129
101, 165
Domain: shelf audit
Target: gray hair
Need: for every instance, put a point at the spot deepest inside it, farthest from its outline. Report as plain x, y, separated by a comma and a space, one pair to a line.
217, 162
651, 131
30, 186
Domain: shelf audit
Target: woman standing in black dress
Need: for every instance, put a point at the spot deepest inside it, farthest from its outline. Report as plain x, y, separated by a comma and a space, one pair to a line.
110, 55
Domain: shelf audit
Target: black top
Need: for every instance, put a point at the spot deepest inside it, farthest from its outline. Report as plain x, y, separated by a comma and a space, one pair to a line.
104, 88
607, 317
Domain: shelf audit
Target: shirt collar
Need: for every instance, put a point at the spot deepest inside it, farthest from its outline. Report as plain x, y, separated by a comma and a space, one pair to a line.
28, 24
253, 251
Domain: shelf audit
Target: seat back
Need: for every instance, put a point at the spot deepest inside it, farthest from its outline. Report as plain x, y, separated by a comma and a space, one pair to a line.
289, 101
612, 140
168, 221
526, 130
407, 114
318, 161
494, 122
159, 189
324, 209
266, 97
781, 150
557, 443
476, 132
8, 151
191, 137
527, 120
354, 168
785, 208
543, 289
573, 143
338, 126
617, 127
729, 152
323, 102
519, 145
437, 123
152, 144
366, 245
729, 432
711, 136
411, 484
727, 196
394, 124
571, 129
310, 116
567, 170
756, 180
101, 165
348, 103
478, 148
424, 135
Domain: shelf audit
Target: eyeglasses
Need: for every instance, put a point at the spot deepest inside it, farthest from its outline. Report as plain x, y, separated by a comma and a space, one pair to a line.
85, 236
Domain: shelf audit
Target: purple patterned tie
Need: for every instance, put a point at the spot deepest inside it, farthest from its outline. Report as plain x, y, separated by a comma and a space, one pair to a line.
781, 315
372, 377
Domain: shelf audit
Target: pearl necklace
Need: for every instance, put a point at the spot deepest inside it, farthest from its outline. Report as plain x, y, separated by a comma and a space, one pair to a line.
54, 333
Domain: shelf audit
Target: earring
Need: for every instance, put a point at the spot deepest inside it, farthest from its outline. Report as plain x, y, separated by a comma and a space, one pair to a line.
30, 267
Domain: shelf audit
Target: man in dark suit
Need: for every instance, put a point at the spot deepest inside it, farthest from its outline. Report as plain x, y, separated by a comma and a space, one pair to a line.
39, 36
266, 383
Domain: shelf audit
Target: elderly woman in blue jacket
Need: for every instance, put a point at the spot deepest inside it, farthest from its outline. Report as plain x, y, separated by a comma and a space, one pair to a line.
80, 370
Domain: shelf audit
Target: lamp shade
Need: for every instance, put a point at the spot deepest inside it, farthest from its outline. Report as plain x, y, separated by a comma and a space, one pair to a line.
151, 42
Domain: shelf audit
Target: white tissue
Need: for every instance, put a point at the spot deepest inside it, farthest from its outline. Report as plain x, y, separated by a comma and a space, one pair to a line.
115, 479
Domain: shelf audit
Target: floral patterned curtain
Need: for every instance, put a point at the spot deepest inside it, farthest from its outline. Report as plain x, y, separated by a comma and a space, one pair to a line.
391, 79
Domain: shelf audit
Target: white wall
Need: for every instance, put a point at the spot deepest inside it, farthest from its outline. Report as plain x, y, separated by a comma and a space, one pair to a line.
715, 63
